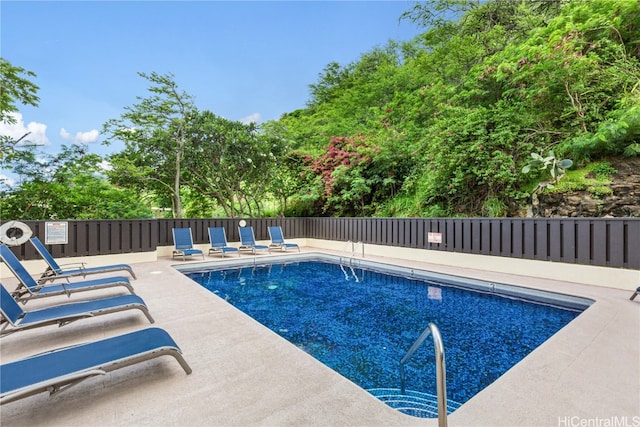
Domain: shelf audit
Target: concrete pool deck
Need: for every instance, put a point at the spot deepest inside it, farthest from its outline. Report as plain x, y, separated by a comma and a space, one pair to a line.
245, 375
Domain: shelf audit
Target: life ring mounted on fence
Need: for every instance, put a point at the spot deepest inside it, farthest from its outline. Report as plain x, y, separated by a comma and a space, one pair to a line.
14, 233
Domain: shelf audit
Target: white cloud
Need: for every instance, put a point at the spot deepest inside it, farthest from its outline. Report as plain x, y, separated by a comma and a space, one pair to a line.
80, 137
7, 180
64, 134
252, 118
37, 131
105, 165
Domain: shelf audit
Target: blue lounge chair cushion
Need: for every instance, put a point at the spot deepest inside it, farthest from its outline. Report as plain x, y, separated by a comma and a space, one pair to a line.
55, 270
75, 286
63, 313
248, 240
32, 289
277, 239
58, 368
11, 310
218, 240
183, 243
188, 252
83, 308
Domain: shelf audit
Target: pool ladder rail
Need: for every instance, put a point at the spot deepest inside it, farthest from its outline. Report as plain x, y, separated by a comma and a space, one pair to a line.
441, 376
354, 247
353, 254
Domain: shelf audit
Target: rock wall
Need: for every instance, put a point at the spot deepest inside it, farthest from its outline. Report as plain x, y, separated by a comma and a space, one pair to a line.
624, 202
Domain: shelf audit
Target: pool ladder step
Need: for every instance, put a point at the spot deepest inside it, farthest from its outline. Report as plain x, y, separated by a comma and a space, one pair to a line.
414, 403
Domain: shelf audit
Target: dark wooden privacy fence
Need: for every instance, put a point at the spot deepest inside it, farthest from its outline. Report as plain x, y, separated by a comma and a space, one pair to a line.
611, 242
608, 242
96, 237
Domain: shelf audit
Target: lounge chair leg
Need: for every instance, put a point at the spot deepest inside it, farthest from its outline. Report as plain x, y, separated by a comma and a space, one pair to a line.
145, 311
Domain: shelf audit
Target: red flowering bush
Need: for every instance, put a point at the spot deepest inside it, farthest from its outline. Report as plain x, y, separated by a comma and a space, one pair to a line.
346, 152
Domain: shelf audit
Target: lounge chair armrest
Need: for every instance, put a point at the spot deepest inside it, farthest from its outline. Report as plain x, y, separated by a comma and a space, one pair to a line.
68, 320
51, 275
71, 264
43, 284
73, 379
61, 383
44, 279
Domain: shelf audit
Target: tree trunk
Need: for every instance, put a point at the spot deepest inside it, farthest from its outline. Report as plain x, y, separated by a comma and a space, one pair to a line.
177, 202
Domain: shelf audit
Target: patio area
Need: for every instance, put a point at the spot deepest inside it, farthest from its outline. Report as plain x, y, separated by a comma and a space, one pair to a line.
246, 375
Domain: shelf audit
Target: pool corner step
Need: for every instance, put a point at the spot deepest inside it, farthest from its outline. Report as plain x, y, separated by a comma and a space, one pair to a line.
414, 403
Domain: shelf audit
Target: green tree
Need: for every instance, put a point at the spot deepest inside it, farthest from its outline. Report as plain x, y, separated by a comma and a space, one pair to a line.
15, 88
287, 168
330, 81
69, 185
153, 132
231, 163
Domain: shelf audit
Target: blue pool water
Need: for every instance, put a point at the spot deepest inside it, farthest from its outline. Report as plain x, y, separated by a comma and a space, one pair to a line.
361, 323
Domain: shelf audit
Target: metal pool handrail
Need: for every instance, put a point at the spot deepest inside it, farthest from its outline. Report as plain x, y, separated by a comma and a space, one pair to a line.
354, 245
353, 254
344, 250
441, 376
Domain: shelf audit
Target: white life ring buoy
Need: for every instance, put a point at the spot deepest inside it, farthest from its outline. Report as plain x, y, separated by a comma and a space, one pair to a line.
14, 233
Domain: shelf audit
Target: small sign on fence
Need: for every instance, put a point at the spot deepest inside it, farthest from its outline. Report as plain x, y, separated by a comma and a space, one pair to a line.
56, 233
434, 237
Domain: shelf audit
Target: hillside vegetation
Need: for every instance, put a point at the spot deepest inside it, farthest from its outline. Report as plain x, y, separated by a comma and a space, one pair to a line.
444, 124
500, 108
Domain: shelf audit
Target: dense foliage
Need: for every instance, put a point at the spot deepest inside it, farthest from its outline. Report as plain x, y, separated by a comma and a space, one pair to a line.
440, 125
70, 182
15, 87
454, 115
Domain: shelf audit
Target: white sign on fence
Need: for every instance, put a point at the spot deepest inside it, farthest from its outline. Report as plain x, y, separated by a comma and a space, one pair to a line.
56, 233
434, 237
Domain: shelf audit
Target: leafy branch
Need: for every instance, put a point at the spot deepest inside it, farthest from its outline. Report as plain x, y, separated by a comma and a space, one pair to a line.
557, 168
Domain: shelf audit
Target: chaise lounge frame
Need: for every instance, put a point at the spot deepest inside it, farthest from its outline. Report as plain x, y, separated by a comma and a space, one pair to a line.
57, 370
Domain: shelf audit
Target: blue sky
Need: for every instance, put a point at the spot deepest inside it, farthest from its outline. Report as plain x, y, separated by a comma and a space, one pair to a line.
243, 60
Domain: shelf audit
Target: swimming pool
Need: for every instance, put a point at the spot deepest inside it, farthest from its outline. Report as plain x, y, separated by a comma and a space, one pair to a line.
361, 319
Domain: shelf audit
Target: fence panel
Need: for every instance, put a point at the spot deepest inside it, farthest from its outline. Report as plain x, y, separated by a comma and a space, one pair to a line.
485, 236
633, 246
613, 242
584, 243
529, 239
555, 240
600, 240
541, 248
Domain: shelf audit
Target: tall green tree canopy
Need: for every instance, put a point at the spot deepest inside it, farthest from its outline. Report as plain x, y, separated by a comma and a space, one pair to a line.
230, 163
16, 88
70, 184
175, 151
153, 131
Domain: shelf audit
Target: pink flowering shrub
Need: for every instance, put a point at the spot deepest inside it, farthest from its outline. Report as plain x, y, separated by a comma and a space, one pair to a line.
346, 152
